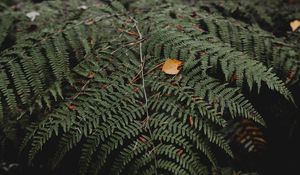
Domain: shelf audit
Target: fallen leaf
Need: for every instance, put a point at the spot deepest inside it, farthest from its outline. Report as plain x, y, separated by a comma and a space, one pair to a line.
82, 7
32, 15
295, 25
136, 89
233, 77
91, 74
292, 74
72, 107
171, 66
191, 121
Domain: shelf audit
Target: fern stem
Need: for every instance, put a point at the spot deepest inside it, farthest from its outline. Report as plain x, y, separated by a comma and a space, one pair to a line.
145, 92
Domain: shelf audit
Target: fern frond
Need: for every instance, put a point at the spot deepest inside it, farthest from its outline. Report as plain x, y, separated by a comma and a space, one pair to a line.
99, 85
256, 43
221, 57
26, 72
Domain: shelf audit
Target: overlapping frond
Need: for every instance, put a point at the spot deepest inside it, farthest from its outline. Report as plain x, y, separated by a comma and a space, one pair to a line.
34, 70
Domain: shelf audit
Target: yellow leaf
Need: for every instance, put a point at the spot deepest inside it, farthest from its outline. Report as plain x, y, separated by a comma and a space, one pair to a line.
171, 66
295, 25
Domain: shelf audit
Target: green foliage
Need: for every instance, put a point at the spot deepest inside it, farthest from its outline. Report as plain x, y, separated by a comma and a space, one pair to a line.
34, 70
272, 51
273, 16
5, 24
93, 82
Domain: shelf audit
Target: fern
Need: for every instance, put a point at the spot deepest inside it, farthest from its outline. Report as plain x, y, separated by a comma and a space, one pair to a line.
265, 47
247, 135
34, 74
95, 84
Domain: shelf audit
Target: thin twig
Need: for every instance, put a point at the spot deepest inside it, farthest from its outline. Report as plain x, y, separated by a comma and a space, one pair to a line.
149, 71
130, 43
82, 89
144, 89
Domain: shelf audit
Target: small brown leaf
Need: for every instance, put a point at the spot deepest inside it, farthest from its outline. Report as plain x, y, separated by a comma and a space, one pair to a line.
191, 121
233, 77
72, 107
292, 74
136, 89
171, 66
91, 74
